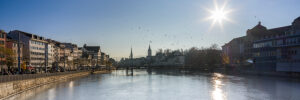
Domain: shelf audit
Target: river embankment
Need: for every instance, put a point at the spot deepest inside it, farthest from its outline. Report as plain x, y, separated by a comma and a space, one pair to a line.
12, 85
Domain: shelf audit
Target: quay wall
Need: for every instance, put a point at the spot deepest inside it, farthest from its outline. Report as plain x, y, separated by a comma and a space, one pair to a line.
8, 89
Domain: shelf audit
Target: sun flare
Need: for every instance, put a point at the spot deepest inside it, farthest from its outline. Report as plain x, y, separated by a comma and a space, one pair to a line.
219, 14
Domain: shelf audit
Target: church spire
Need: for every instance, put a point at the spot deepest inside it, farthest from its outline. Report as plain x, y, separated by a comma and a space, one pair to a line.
149, 51
131, 55
149, 47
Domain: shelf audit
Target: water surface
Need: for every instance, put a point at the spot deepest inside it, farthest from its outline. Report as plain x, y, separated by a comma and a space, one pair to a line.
167, 86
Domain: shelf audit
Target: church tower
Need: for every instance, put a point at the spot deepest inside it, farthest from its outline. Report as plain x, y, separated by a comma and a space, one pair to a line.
149, 51
131, 55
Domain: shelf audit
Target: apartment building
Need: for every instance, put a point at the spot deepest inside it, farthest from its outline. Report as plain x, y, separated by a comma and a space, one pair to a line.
13, 46
279, 50
33, 48
271, 50
2, 47
94, 52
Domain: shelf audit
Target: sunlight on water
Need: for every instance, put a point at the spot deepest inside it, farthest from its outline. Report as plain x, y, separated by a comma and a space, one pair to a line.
71, 84
51, 94
217, 93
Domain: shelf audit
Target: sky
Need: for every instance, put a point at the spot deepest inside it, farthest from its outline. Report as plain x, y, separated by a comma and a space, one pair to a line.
118, 25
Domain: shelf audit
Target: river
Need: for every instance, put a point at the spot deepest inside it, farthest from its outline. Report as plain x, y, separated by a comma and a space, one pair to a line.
167, 85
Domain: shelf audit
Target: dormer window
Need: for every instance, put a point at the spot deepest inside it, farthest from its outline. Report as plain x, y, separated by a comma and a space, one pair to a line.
35, 37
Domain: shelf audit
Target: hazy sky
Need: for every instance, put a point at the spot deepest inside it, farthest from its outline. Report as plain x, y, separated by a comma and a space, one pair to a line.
116, 25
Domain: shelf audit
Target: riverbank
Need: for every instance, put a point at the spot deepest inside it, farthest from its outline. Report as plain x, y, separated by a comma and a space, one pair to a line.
234, 71
11, 88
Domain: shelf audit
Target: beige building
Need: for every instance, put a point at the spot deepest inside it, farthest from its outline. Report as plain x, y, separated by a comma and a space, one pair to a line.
51, 49
68, 54
34, 48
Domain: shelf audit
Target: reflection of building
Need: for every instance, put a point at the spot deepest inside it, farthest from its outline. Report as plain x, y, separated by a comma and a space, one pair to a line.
33, 47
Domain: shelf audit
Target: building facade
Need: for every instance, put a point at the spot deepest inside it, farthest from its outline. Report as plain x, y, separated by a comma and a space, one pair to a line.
13, 46
239, 50
94, 52
51, 50
2, 48
271, 50
38, 54
33, 48
279, 49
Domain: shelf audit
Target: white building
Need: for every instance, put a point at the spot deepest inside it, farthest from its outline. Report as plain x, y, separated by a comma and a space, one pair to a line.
34, 48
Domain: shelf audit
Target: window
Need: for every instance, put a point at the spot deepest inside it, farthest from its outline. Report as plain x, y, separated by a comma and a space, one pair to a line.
1, 35
1, 42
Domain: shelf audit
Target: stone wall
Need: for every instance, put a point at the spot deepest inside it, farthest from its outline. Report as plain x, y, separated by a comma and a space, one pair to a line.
8, 89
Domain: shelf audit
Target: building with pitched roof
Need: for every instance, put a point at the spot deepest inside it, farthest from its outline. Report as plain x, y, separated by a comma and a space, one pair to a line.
273, 50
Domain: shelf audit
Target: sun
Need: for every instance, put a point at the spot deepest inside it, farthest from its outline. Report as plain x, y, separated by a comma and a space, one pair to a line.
219, 14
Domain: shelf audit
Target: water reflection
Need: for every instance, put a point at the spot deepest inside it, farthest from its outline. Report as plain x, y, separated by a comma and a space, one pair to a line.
217, 93
51, 94
71, 84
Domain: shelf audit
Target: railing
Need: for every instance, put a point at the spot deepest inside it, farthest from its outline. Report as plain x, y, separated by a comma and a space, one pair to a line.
8, 78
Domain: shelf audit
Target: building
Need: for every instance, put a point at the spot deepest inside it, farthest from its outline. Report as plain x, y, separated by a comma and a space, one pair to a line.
279, 49
79, 53
33, 48
239, 50
131, 54
2, 47
2, 38
149, 51
271, 50
172, 59
234, 50
94, 52
65, 56
13, 46
52, 53
103, 58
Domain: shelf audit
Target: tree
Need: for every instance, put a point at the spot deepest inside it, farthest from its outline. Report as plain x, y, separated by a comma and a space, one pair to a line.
207, 58
2, 55
9, 56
